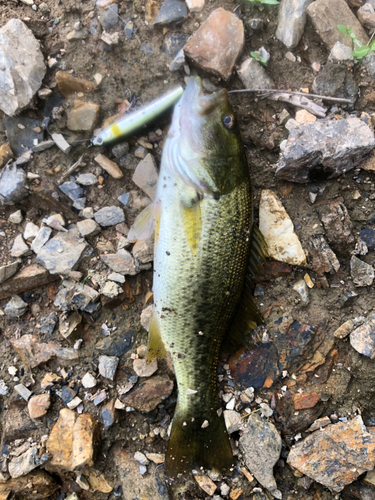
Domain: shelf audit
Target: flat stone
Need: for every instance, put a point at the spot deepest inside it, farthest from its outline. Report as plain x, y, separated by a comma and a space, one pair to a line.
12, 185
143, 250
48, 323
39, 405
61, 143
23, 133
217, 44
5, 154
119, 150
157, 458
121, 262
336, 455
325, 15
108, 366
71, 190
40, 239
340, 53
83, 117
253, 75
143, 368
98, 481
38, 481
195, 5
303, 116
31, 230
87, 180
71, 327
292, 20
277, 229
366, 16
146, 176
348, 327
23, 391
233, 421
149, 394
88, 227
324, 149
335, 80
206, 484
109, 216
178, 62
16, 307
73, 441
88, 381
69, 84
24, 463
63, 253
323, 259
8, 270
362, 339
33, 353
305, 401
261, 445
110, 19
111, 289
362, 273
19, 248
337, 224
74, 35
174, 43
172, 12
109, 414
25, 69
115, 345
16, 217
28, 278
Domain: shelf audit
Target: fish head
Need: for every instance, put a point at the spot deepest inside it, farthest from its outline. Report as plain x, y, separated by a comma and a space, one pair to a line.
205, 143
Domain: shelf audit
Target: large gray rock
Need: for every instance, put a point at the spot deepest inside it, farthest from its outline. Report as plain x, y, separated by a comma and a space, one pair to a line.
22, 67
12, 184
254, 76
63, 253
324, 149
16, 307
8, 270
292, 20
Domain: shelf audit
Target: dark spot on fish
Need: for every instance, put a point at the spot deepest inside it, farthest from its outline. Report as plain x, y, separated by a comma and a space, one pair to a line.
168, 253
181, 356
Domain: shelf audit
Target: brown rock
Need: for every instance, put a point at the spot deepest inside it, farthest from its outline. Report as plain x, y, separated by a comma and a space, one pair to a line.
304, 401
152, 10
146, 176
337, 224
143, 250
41, 484
26, 279
336, 455
303, 116
38, 405
325, 15
217, 44
362, 339
144, 369
121, 262
323, 259
49, 379
366, 16
5, 154
71, 328
109, 166
149, 394
98, 481
73, 441
69, 84
34, 353
83, 117
206, 484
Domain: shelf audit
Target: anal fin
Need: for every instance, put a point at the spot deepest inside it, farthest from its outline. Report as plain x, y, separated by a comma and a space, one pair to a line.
155, 346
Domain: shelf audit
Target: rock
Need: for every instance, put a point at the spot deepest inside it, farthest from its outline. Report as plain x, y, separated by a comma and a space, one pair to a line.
261, 445
119, 150
83, 117
71, 190
24, 69
143, 368
206, 484
217, 44
16, 217
325, 15
16, 307
335, 80
69, 84
5, 154
63, 253
110, 39
305, 401
292, 20
111, 290
109, 166
146, 176
88, 381
31, 230
88, 213
109, 216
39, 405
8, 270
88, 227
277, 229
178, 62
121, 262
108, 366
336, 455
149, 394
34, 353
61, 143
30, 277
87, 180
195, 5
73, 441
301, 288
174, 43
48, 323
340, 53
324, 149
109, 414
40, 239
38, 481
24, 463
233, 421
19, 248
143, 250
115, 345
71, 327
23, 391
362, 273
254, 76
49, 379
111, 18
337, 224
172, 12
12, 185
152, 485
303, 116
22, 135
323, 259
362, 339
366, 16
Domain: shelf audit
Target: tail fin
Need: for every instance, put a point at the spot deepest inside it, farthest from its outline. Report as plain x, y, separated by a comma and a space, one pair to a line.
197, 442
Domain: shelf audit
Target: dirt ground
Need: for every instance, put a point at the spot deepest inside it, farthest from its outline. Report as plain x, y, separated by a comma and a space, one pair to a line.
344, 376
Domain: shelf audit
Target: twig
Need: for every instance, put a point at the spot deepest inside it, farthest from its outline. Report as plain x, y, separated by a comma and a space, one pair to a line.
71, 169
275, 91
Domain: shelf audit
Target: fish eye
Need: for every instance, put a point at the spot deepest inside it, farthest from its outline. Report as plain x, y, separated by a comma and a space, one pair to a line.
99, 140
228, 121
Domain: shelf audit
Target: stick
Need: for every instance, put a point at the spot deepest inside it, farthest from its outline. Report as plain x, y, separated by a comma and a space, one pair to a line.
327, 98
71, 169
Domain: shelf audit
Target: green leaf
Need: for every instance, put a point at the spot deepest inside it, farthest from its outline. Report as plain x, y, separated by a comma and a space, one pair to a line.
270, 2
343, 28
357, 42
258, 57
361, 52
372, 45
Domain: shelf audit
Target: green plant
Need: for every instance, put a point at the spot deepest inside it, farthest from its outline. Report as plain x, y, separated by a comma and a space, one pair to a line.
266, 2
258, 57
362, 50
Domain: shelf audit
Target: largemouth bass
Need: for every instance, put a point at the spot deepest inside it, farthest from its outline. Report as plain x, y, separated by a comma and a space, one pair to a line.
203, 221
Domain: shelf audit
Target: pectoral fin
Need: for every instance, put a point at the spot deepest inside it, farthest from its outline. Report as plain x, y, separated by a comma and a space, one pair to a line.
155, 346
192, 224
144, 224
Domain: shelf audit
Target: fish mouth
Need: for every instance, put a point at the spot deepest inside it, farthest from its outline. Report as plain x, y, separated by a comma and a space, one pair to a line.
193, 98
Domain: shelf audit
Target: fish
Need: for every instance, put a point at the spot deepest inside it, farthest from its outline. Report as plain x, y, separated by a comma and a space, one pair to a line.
206, 246
132, 122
